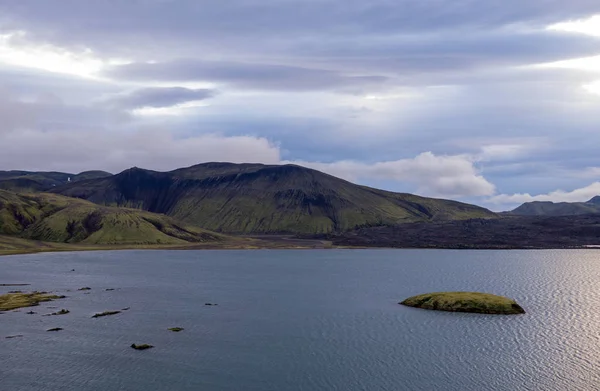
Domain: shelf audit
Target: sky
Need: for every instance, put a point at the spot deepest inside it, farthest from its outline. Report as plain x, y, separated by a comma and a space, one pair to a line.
492, 102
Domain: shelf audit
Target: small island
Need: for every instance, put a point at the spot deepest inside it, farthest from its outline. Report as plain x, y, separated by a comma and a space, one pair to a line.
13, 301
482, 303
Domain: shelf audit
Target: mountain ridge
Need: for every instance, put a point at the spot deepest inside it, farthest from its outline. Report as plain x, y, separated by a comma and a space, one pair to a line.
39, 181
549, 208
256, 198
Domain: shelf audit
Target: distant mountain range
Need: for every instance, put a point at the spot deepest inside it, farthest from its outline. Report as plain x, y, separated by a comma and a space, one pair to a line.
546, 208
264, 199
27, 181
211, 203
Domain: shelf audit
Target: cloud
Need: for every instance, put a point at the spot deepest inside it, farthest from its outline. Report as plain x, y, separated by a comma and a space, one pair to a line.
74, 151
243, 75
461, 79
578, 195
146, 21
158, 97
443, 176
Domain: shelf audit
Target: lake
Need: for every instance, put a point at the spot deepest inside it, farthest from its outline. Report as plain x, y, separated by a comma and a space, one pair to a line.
303, 320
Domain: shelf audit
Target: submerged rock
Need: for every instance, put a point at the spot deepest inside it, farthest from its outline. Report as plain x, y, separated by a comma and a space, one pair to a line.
105, 313
476, 302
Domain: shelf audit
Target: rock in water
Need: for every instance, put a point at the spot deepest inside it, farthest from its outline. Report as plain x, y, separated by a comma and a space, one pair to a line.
476, 302
141, 347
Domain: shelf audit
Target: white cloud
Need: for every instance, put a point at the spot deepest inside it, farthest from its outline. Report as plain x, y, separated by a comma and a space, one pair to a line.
16, 50
593, 87
503, 151
578, 195
591, 64
444, 176
589, 26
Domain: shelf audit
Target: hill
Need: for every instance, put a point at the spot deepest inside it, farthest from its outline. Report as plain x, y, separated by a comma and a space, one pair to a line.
256, 198
538, 208
28, 181
54, 218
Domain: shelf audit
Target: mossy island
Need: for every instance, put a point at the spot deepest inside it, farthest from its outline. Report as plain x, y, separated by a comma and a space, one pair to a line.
13, 301
476, 302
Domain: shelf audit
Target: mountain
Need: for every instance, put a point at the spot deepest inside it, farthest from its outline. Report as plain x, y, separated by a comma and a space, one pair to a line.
55, 218
595, 201
28, 181
546, 208
256, 198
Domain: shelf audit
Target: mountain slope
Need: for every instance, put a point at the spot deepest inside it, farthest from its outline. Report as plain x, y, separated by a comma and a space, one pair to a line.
595, 201
28, 181
54, 218
548, 208
256, 198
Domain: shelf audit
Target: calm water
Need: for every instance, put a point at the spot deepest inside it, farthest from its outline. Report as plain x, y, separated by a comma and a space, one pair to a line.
303, 321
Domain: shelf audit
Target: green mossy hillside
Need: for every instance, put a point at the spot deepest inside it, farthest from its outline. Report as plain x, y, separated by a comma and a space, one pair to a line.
54, 218
265, 199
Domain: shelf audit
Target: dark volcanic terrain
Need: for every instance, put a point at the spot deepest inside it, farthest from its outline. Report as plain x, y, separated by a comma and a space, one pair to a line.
504, 233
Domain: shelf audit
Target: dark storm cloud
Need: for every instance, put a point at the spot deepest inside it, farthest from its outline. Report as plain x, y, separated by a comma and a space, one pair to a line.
294, 28
241, 18
158, 97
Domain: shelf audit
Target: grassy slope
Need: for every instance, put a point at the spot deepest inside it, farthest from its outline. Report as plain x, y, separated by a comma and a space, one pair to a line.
253, 198
484, 303
54, 218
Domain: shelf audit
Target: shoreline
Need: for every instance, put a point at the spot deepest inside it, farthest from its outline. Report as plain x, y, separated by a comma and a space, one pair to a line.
275, 243
196, 247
